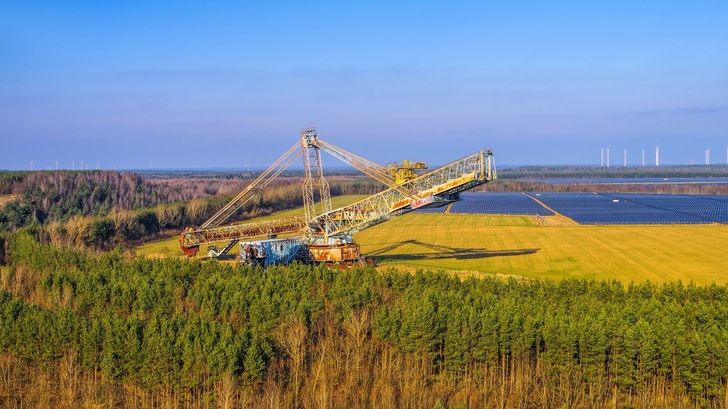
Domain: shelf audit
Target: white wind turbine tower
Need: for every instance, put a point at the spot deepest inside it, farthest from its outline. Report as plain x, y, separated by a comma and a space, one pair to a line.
607, 157
603, 156
643, 157
657, 156
625, 158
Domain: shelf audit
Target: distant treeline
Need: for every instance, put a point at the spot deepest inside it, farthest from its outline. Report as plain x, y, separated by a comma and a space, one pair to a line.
80, 329
236, 174
59, 195
9, 180
516, 185
577, 172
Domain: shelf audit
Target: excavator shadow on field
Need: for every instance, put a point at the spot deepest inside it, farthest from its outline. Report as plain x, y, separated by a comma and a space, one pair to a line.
442, 252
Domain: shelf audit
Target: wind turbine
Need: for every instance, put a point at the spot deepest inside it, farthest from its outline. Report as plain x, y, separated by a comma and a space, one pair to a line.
607, 157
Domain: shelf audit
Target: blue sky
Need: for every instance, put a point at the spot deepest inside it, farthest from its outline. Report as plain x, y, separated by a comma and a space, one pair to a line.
229, 84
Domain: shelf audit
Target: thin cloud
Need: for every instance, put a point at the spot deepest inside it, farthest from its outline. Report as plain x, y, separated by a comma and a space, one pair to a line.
690, 110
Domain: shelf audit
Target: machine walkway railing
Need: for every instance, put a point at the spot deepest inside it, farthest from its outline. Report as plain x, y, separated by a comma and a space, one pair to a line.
191, 239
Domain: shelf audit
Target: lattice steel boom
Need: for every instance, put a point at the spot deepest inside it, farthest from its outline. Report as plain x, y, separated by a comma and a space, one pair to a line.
314, 175
450, 179
254, 188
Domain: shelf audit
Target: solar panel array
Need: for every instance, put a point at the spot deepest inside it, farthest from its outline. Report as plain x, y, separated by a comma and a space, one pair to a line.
713, 208
624, 208
494, 203
498, 203
598, 208
440, 209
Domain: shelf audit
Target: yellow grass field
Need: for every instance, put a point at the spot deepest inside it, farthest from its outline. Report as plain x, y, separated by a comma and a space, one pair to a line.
513, 245
525, 247
6, 198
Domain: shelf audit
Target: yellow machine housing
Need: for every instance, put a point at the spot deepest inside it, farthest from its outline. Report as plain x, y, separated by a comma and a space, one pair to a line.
405, 171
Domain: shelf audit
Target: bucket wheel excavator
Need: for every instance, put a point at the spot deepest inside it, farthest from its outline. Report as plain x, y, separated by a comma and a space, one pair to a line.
326, 236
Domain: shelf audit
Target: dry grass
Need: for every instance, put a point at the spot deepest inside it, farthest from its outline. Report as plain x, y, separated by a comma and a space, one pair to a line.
4, 199
522, 246
506, 245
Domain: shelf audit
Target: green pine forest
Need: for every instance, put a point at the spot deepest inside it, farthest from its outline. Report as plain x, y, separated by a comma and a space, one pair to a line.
85, 329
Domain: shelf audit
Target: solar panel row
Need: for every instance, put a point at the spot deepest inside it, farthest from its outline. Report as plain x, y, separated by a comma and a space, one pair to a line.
494, 203
625, 208
498, 203
710, 208
432, 210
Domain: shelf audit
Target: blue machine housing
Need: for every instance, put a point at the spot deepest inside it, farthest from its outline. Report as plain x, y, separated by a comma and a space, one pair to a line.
273, 251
